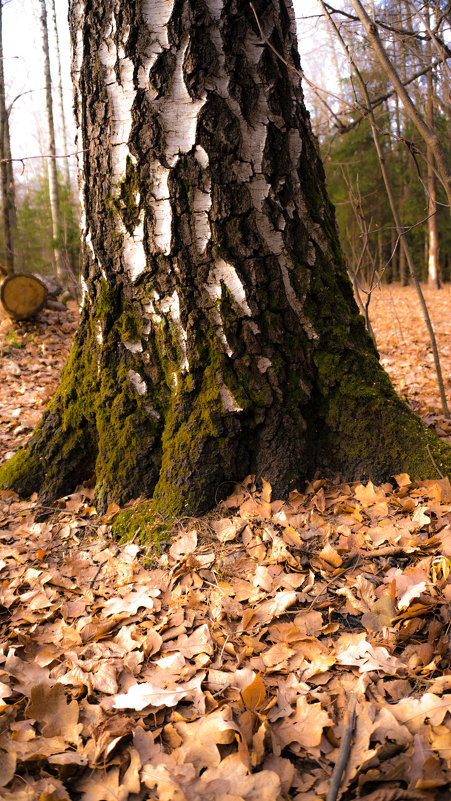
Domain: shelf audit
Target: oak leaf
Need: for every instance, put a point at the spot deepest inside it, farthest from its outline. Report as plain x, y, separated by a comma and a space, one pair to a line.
305, 727
368, 657
57, 716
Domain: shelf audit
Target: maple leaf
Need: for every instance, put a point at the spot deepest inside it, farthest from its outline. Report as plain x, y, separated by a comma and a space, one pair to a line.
227, 528
199, 642
413, 711
274, 607
410, 584
103, 786
184, 545
169, 779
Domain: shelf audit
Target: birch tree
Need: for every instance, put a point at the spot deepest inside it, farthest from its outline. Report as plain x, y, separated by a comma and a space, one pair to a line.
219, 335
6, 169
53, 172
60, 94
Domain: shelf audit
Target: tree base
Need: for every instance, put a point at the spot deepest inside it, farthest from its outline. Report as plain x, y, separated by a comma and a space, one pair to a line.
363, 431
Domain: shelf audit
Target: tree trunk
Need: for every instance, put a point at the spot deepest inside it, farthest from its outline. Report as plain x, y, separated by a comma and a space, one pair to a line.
53, 172
219, 335
60, 95
433, 268
7, 174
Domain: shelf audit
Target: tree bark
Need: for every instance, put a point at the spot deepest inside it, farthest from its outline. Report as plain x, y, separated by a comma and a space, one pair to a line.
219, 335
433, 251
55, 207
7, 175
60, 95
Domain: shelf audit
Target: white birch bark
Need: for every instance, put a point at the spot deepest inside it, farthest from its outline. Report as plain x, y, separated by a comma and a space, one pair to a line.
53, 172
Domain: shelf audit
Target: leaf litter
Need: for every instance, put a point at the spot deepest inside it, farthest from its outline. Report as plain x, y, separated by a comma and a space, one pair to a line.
224, 665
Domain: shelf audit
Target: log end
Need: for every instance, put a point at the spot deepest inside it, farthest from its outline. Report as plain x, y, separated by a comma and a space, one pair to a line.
23, 296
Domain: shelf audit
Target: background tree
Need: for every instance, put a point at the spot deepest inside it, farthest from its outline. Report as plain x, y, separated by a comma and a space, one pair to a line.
59, 256
408, 44
64, 134
34, 239
219, 334
6, 169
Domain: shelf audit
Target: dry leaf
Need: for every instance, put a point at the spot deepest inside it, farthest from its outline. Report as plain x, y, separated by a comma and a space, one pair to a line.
254, 695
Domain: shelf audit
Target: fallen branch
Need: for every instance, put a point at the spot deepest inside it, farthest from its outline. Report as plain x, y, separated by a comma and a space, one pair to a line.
345, 747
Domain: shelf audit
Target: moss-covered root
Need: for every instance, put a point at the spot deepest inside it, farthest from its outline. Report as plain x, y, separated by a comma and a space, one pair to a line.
144, 523
371, 433
62, 450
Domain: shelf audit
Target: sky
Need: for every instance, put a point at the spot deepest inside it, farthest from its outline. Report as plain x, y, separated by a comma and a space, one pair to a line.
23, 66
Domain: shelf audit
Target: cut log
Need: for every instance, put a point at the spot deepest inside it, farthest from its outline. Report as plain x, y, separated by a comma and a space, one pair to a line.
23, 296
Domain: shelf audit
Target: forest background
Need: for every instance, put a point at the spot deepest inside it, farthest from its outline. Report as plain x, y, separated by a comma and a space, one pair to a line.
340, 123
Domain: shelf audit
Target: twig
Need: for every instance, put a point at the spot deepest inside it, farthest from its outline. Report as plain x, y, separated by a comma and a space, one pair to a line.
23, 159
389, 550
100, 568
345, 747
434, 462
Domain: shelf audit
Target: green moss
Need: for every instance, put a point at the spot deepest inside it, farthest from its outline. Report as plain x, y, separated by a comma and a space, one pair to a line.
187, 188
143, 522
106, 300
129, 324
369, 432
126, 436
128, 198
194, 440
21, 472
13, 341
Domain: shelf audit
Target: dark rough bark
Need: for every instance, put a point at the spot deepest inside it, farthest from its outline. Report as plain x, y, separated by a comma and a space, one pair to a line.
219, 334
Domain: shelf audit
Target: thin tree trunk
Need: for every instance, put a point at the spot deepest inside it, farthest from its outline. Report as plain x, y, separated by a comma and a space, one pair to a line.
219, 335
7, 174
60, 95
433, 251
53, 172
402, 131
403, 271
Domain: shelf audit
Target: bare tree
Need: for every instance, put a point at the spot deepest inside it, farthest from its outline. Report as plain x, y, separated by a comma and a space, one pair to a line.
433, 252
6, 165
53, 172
60, 93
428, 135
400, 230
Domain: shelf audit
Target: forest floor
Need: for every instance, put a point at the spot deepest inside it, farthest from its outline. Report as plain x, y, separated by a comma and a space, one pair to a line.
239, 661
